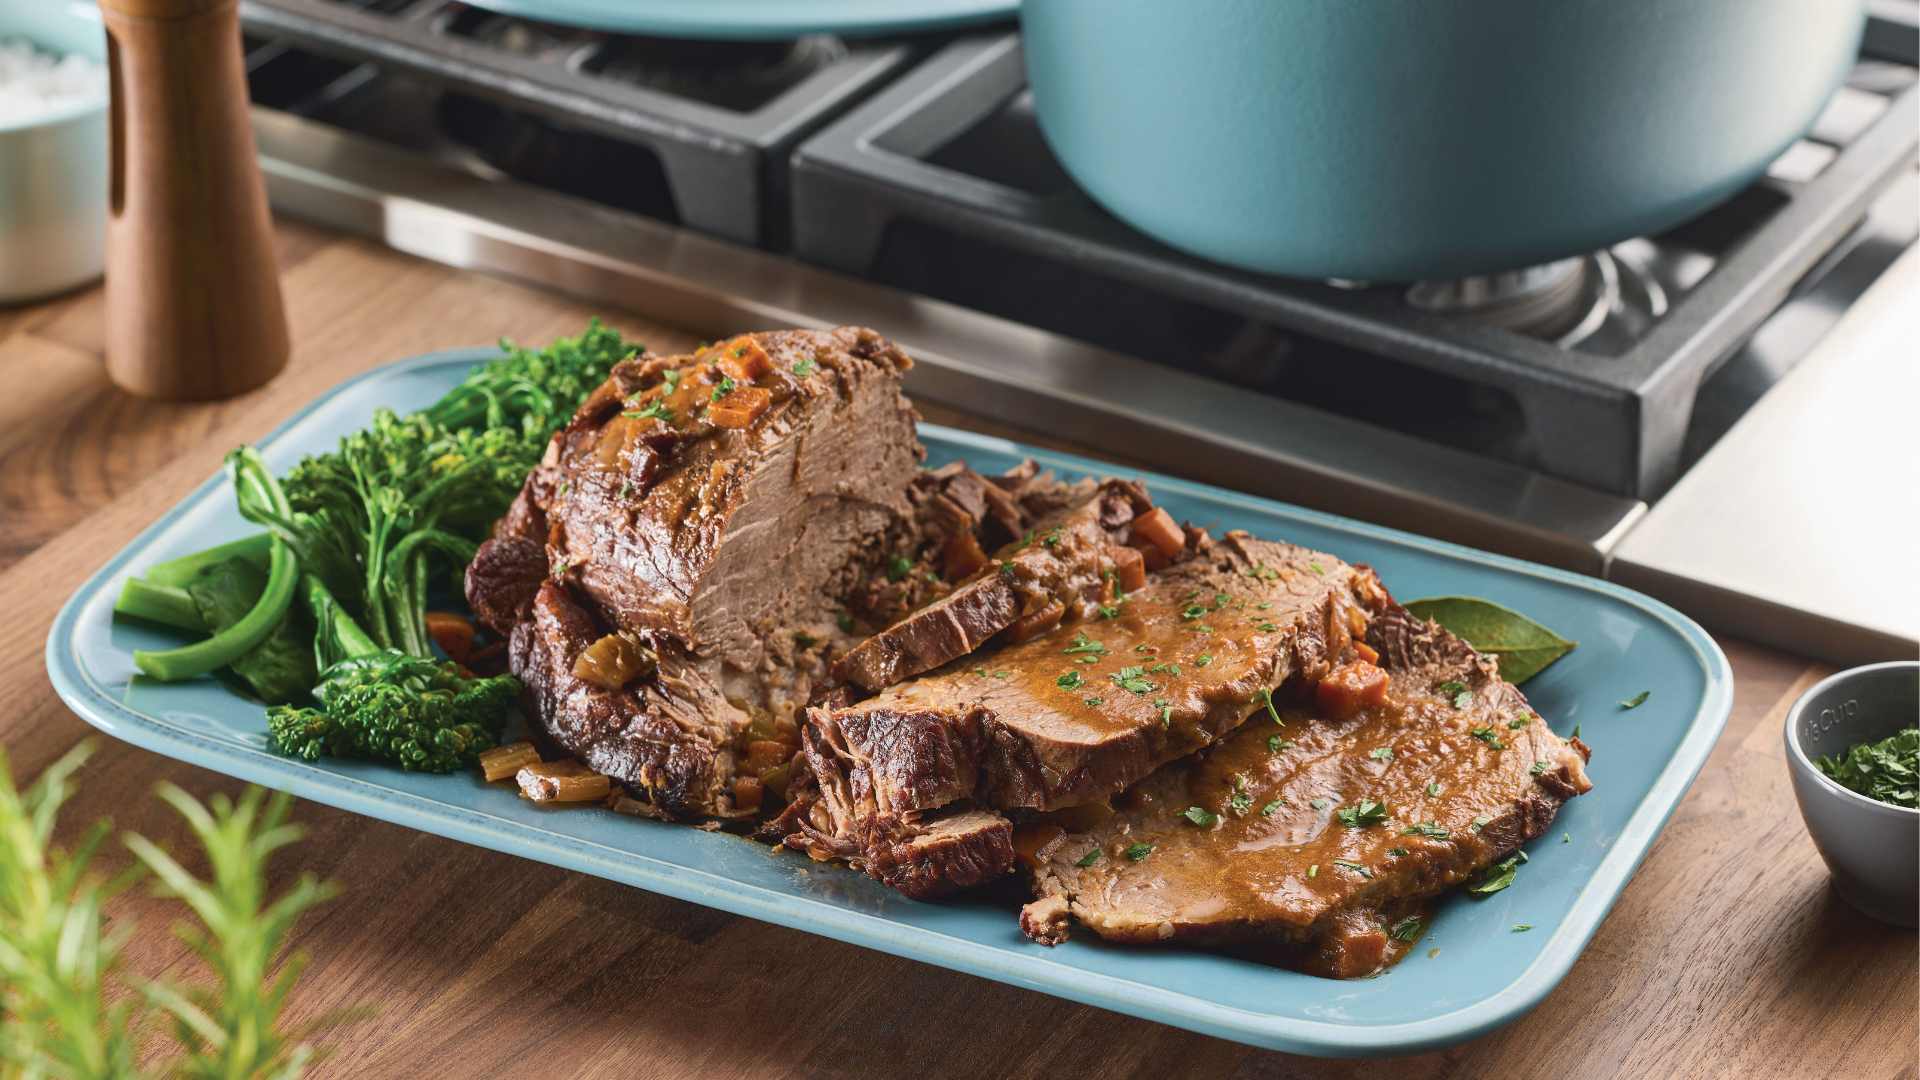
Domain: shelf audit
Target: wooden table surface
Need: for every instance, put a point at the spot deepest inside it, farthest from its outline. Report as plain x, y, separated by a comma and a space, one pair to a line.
1728, 955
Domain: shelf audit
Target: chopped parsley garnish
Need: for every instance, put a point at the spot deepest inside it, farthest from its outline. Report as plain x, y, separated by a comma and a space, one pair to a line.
659, 410
1052, 539
1433, 788
1486, 735
1496, 877
1406, 929
1457, 690
1316, 568
1070, 681
1094, 702
899, 567
1275, 744
1192, 612
1521, 928
1576, 731
1272, 808
1539, 767
1516, 725
1136, 852
845, 622
1201, 816
1107, 612
670, 378
1637, 700
1143, 647
1353, 866
803, 368
1171, 669
1006, 568
805, 640
1363, 813
1240, 802
1166, 711
1264, 697
723, 387
1481, 823
1203, 660
1081, 643
1396, 852
1566, 838
1133, 679
1381, 753
1088, 859
1314, 870
626, 489
1427, 829
1886, 771
1319, 804
1220, 600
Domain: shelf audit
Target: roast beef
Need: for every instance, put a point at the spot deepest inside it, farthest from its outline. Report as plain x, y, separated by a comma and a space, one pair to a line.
1318, 837
1060, 570
702, 519
1079, 713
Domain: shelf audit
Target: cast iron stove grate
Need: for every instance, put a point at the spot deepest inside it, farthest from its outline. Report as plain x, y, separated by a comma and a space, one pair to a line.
942, 184
631, 121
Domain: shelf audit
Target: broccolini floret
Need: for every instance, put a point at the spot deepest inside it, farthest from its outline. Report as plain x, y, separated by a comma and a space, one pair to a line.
383, 705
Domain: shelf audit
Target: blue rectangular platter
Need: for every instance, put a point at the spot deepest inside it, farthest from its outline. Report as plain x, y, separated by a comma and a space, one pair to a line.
1484, 974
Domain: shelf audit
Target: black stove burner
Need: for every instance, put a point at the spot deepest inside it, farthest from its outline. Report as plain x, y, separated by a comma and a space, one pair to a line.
1584, 369
698, 133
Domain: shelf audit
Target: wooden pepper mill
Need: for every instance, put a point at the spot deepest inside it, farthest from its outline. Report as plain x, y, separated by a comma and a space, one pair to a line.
193, 293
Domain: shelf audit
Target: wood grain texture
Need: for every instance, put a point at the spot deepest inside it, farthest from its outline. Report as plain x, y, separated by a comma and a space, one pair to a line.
1727, 956
194, 309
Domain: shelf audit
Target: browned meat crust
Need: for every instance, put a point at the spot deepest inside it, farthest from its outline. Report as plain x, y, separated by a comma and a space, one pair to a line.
1029, 727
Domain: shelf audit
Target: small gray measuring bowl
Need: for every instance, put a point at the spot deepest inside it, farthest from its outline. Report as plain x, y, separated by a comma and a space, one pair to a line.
1872, 848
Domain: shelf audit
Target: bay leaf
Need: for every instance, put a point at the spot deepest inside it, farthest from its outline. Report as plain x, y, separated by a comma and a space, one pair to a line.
1523, 647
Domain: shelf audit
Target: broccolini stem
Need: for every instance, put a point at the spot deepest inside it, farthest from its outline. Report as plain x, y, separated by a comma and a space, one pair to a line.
192, 661
337, 628
177, 572
163, 604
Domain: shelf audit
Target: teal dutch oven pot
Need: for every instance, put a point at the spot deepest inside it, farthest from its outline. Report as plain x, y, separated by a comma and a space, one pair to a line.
1390, 140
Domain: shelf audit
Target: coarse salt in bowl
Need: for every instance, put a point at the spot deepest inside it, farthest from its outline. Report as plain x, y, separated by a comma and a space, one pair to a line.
54, 92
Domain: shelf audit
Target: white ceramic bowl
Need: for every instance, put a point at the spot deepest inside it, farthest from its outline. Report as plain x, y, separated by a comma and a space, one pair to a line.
53, 168
1872, 848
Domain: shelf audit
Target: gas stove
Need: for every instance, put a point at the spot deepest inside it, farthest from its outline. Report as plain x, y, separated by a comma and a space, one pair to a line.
1569, 413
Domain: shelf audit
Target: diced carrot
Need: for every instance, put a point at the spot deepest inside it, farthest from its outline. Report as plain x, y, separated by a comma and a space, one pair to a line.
504, 761
763, 754
1129, 569
453, 633
1151, 556
747, 792
742, 406
562, 781
961, 556
1033, 624
1349, 688
744, 360
1158, 528
1366, 652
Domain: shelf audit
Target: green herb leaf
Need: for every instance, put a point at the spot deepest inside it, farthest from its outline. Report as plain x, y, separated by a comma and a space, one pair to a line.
1070, 681
1406, 929
1081, 643
1521, 928
1363, 813
1353, 866
1523, 647
1381, 753
1088, 859
1201, 816
1887, 771
899, 567
1427, 829
1637, 700
1272, 808
1275, 744
1319, 804
1138, 851
1496, 877
1239, 802
1203, 660
1486, 735
659, 410
1433, 788
803, 368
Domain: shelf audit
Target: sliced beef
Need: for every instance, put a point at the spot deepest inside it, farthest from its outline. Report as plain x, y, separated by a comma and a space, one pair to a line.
1061, 570
710, 513
672, 522
1246, 843
1080, 713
